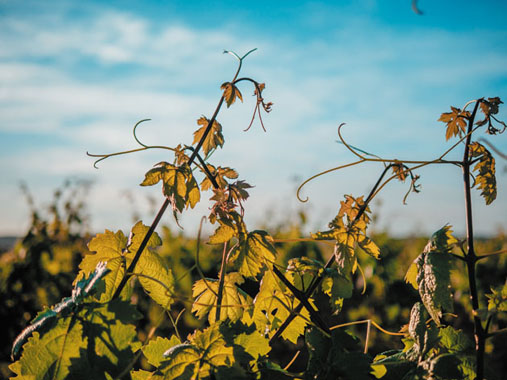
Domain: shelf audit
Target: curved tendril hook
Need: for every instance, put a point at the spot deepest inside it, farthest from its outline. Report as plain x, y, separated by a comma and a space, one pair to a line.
470, 102
322, 173
134, 132
345, 143
143, 147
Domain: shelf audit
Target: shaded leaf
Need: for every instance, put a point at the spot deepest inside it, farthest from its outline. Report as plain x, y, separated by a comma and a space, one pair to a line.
433, 273
220, 174
338, 357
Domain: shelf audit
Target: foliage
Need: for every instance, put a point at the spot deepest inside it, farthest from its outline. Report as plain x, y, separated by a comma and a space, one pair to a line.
245, 295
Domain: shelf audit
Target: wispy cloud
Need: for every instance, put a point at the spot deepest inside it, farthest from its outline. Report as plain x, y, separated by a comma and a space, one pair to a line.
88, 79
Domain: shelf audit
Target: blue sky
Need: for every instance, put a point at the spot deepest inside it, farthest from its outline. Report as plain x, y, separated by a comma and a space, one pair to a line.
76, 76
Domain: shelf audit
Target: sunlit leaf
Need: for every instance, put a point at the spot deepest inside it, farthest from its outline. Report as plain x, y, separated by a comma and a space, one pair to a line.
179, 184
456, 121
231, 92
234, 300
253, 253
273, 305
154, 351
159, 283
200, 357
497, 299
118, 251
213, 139
222, 234
484, 169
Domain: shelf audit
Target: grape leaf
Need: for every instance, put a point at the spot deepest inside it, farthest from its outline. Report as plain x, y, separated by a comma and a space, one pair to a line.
214, 137
200, 357
179, 184
82, 289
118, 252
154, 351
50, 355
433, 273
231, 92
497, 300
454, 341
273, 305
223, 233
456, 121
490, 108
337, 357
337, 287
485, 179
160, 284
220, 174
253, 253
93, 340
234, 300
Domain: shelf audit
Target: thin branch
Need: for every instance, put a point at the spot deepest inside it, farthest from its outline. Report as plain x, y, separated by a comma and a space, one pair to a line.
303, 299
489, 254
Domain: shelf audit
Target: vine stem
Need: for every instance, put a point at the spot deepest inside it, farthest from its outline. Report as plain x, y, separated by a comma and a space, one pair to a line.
163, 208
317, 280
471, 257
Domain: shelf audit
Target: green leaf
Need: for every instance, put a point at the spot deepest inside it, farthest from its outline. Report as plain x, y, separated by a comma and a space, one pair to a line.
100, 338
454, 341
255, 344
273, 305
50, 356
110, 330
214, 138
200, 358
154, 351
485, 179
179, 184
445, 366
433, 273
253, 254
160, 283
337, 287
368, 246
497, 300
338, 357
220, 174
234, 300
392, 365
118, 252
222, 234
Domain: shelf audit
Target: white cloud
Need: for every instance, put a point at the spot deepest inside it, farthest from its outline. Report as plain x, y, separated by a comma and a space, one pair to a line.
172, 75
